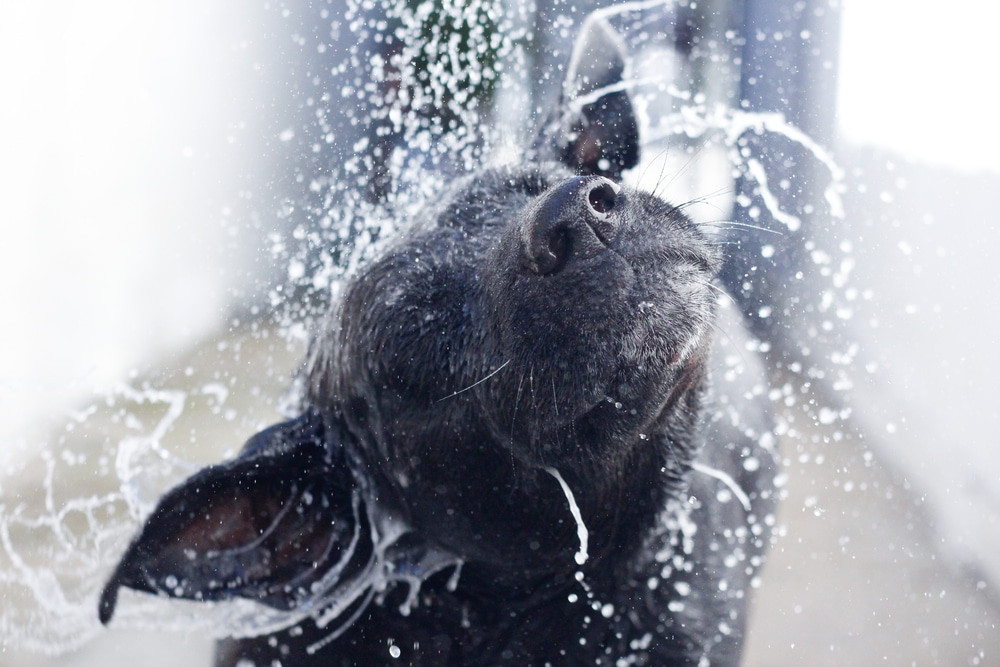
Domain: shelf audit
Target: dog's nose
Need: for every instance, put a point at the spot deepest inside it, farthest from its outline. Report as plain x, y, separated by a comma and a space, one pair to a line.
574, 218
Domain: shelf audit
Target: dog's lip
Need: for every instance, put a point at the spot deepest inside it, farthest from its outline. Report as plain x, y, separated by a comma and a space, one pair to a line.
687, 376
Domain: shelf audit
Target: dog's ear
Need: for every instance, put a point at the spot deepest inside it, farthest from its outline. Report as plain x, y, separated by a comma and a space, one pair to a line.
593, 130
277, 524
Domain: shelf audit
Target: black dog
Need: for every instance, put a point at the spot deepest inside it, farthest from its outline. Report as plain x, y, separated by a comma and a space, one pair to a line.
510, 413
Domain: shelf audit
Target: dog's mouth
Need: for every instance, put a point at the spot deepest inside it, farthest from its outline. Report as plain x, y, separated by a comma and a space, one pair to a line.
602, 424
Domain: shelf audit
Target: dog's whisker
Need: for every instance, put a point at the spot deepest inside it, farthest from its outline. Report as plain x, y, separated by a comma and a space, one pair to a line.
474, 384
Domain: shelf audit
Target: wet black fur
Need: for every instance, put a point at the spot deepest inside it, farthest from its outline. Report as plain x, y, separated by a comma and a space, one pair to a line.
535, 318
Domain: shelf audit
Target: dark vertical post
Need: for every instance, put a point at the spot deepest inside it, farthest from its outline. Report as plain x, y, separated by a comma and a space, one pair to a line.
788, 51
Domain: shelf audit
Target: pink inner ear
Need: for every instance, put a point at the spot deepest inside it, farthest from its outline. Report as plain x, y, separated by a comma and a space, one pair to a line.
227, 524
270, 526
588, 148
277, 517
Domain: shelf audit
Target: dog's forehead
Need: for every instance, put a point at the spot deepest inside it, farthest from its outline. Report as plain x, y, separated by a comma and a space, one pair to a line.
488, 197
455, 230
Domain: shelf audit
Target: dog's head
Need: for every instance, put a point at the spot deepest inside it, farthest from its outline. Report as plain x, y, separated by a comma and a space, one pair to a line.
556, 316
534, 317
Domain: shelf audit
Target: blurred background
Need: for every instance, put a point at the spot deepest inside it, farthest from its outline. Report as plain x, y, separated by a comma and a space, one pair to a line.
148, 199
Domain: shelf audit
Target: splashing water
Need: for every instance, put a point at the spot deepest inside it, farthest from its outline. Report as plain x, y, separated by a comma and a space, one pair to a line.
391, 563
57, 548
69, 508
730, 483
581, 528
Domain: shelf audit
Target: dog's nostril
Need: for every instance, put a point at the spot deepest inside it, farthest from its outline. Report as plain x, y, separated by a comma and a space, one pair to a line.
558, 251
603, 197
573, 217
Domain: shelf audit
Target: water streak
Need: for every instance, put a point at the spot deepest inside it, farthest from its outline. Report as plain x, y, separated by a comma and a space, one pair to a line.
581, 528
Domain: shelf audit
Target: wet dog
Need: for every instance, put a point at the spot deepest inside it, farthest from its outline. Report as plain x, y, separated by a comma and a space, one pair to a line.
521, 440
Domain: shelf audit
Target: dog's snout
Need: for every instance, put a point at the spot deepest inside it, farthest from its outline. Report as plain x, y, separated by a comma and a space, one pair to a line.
576, 217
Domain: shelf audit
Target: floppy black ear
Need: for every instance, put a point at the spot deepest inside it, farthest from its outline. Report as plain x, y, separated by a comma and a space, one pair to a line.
280, 521
593, 130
